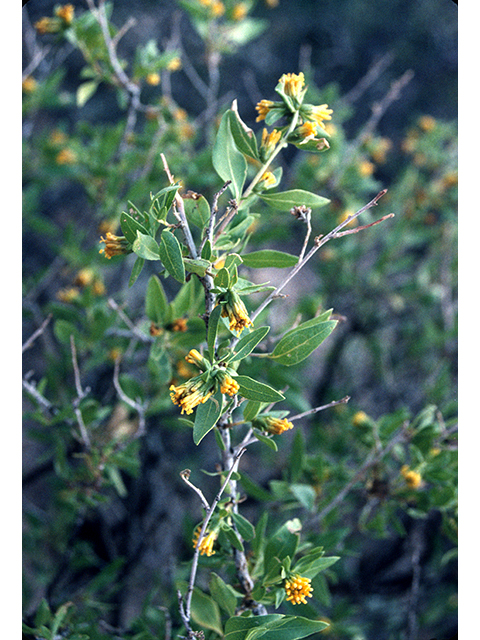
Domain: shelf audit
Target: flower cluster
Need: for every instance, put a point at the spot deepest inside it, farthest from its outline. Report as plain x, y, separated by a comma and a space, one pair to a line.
298, 589
191, 393
114, 245
64, 17
234, 309
205, 545
275, 426
412, 478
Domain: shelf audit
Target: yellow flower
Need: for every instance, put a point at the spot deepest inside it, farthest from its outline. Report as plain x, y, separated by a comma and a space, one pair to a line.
206, 543
268, 178
277, 426
68, 295
175, 64
427, 123
263, 107
179, 325
270, 140
236, 312
155, 330
66, 13
29, 84
298, 589
114, 245
84, 277
47, 25
360, 419
293, 83
320, 113
412, 478
366, 168
196, 358
190, 394
98, 287
239, 11
307, 131
217, 8
66, 156
179, 114
228, 385
153, 79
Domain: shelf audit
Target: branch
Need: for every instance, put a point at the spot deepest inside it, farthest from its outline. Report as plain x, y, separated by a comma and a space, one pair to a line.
317, 409
28, 343
139, 407
81, 393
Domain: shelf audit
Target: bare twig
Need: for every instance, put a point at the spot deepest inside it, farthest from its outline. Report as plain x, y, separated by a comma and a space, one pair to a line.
31, 389
317, 409
136, 332
185, 476
81, 393
28, 343
135, 404
373, 73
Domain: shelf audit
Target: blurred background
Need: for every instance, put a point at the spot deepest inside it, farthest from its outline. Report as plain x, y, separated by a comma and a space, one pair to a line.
389, 71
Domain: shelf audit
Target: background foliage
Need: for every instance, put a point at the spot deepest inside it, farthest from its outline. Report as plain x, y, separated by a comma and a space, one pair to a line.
107, 533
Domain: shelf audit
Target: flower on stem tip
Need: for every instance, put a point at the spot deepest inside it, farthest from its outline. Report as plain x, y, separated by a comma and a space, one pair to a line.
228, 385
319, 114
114, 245
275, 426
196, 358
413, 479
191, 393
236, 312
66, 13
270, 140
293, 84
298, 589
205, 545
263, 107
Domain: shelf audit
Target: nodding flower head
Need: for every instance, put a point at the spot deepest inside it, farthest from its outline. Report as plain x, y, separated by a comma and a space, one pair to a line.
205, 545
273, 425
236, 312
263, 107
191, 393
293, 84
114, 245
228, 385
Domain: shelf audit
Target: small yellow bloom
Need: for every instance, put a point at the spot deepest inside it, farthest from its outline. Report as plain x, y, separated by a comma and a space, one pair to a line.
29, 84
277, 426
206, 543
270, 140
68, 295
195, 357
236, 312
98, 288
47, 25
66, 156
268, 178
307, 131
239, 11
380, 150
293, 83
412, 478
321, 113
190, 394
180, 115
66, 13
179, 325
229, 386
217, 8
366, 168
175, 64
298, 589
114, 245
155, 330
115, 353
360, 419
427, 123
153, 79
84, 277
263, 107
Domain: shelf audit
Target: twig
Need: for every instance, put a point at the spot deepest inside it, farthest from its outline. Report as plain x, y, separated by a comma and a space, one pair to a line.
185, 475
317, 409
81, 393
365, 226
137, 333
28, 343
35, 393
213, 214
139, 407
319, 242
373, 459
373, 73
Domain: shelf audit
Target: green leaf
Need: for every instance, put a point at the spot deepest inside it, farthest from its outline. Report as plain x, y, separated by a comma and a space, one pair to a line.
232, 536
244, 527
254, 390
255, 490
243, 136
222, 279
197, 211
136, 270
146, 247
227, 160
156, 305
290, 628
130, 226
196, 265
236, 628
285, 200
206, 417
311, 564
171, 255
213, 321
283, 543
205, 612
248, 343
266, 439
85, 91
223, 594
269, 258
305, 494
251, 409
298, 344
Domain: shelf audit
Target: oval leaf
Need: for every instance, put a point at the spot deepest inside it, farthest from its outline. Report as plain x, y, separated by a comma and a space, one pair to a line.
156, 305
269, 258
171, 255
130, 226
206, 417
294, 198
248, 343
254, 390
146, 247
227, 160
299, 343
